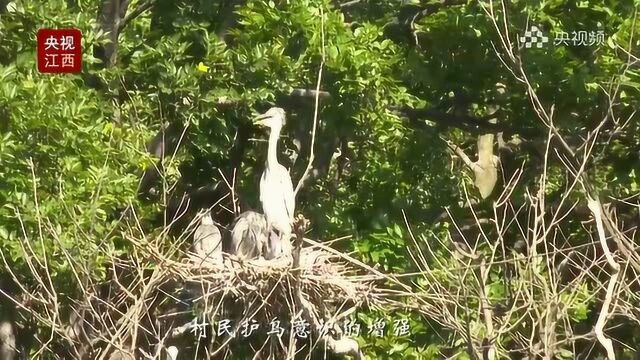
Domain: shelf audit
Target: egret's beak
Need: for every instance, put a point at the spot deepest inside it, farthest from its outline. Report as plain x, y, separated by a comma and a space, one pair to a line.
260, 119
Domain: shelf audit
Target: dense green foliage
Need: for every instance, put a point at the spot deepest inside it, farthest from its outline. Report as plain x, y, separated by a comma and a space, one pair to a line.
72, 147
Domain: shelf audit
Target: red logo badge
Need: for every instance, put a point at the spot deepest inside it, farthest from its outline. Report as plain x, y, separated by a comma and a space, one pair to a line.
59, 51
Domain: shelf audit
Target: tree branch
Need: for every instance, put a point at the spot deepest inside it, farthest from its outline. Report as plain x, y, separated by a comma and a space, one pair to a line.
325, 95
596, 208
146, 5
349, 4
468, 123
458, 150
110, 14
402, 26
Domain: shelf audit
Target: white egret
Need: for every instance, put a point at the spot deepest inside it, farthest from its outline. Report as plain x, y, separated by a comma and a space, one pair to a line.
276, 189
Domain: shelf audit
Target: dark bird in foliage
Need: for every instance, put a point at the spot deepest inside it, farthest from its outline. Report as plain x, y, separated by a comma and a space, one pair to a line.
164, 143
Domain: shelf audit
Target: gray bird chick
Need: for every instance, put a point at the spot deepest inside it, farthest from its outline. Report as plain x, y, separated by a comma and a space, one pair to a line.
248, 235
207, 241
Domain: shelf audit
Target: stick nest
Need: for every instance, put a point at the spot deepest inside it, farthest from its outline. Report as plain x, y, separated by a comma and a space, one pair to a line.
324, 289
323, 277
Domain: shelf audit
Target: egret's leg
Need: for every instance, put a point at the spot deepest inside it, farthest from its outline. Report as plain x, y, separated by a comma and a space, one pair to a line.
274, 244
286, 248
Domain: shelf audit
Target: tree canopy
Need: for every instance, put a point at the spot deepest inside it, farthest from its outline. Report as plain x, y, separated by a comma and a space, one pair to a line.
498, 182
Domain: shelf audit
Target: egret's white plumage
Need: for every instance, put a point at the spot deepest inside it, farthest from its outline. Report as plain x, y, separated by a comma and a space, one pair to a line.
7, 341
249, 235
276, 188
172, 351
207, 241
276, 195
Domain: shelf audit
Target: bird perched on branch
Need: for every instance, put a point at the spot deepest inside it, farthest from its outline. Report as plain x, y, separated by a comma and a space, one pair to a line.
249, 235
276, 189
486, 168
207, 240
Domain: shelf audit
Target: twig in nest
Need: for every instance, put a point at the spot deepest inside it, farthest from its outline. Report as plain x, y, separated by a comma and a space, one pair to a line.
341, 346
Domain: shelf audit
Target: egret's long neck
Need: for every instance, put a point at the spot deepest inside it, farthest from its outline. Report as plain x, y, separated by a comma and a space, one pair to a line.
272, 152
207, 220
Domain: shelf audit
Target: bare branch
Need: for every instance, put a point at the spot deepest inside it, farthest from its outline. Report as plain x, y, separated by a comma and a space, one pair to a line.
305, 174
596, 209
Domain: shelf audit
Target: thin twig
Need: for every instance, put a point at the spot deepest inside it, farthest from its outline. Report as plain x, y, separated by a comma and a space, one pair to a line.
315, 111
